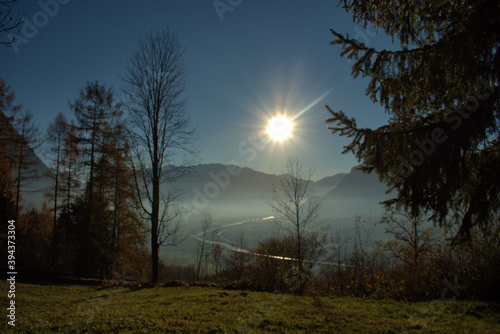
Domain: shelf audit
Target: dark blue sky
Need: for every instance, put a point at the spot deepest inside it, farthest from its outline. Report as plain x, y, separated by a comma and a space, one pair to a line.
261, 59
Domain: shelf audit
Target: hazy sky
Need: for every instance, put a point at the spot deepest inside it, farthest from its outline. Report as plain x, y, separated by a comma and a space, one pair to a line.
247, 60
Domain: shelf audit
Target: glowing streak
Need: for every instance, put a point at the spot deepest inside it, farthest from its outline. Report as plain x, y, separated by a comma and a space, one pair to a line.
312, 104
246, 251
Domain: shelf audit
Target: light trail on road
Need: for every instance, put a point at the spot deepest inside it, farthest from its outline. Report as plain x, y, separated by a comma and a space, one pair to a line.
246, 251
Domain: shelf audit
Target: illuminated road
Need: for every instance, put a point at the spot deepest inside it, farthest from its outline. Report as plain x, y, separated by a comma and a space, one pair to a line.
227, 243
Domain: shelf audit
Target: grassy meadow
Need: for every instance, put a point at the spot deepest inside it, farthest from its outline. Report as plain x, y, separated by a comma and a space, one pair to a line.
72, 309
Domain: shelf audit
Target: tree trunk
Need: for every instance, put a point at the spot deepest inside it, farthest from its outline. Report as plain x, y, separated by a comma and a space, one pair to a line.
155, 215
18, 185
56, 188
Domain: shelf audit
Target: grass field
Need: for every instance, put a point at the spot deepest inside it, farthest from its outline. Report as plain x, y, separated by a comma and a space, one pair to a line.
62, 309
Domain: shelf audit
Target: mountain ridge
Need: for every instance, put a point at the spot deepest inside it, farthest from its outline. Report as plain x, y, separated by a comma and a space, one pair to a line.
226, 189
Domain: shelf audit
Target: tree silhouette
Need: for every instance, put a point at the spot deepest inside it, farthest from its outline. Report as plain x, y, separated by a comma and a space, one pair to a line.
25, 139
95, 110
203, 239
70, 166
440, 148
290, 200
56, 136
161, 131
412, 239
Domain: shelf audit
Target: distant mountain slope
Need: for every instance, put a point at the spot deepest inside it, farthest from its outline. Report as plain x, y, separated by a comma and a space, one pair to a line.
327, 184
230, 191
359, 184
230, 179
356, 194
226, 190
226, 180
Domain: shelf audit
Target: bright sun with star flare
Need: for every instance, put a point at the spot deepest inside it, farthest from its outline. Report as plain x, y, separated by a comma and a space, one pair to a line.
280, 128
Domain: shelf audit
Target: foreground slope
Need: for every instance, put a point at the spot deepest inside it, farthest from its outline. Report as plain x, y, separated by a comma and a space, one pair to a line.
59, 309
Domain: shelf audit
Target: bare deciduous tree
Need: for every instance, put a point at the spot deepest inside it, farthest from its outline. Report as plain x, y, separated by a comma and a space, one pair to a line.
290, 199
95, 111
237, 261
412, 237
56, 136
203, 241
160, 130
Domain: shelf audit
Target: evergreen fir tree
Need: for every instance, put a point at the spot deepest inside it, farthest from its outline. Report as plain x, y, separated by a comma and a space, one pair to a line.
440, 149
